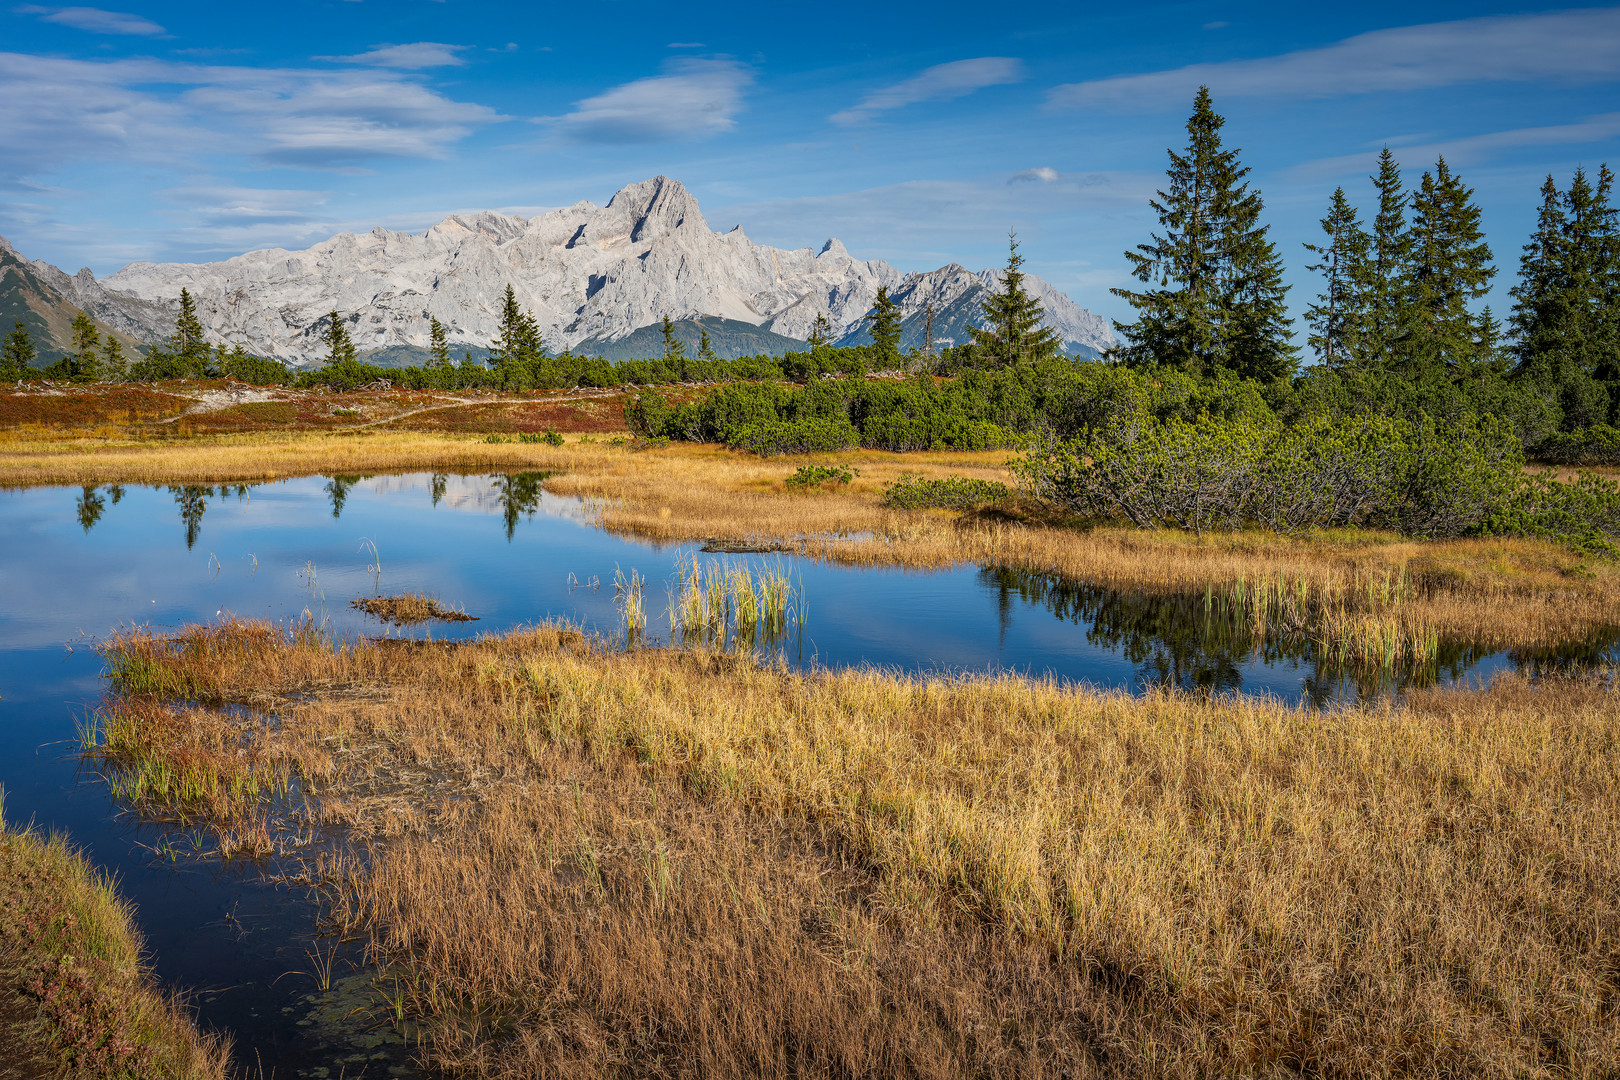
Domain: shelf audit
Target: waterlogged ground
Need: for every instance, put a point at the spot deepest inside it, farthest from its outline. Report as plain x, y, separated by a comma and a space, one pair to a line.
78, 563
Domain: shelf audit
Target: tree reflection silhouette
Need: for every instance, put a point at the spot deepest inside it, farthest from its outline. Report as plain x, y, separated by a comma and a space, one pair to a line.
1184, 641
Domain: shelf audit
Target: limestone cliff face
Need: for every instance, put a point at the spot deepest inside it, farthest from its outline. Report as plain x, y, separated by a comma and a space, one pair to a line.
587, 272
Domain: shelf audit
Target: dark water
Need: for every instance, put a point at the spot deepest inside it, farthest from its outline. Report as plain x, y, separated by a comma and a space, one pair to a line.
75, 564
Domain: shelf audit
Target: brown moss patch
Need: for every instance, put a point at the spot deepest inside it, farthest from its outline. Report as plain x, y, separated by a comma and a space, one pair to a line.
408, 609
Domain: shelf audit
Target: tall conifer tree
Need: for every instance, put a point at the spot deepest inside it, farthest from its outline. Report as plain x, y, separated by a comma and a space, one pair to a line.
339, 347
17, 355
1564, 319
85, 342
114, 364
1383, 276
1337, 318
438, 346
674, 350
885, 320
706, 347
821, 335
1219, 300
1014, 332
1450, 268
1539, 314
189, 345
518, 347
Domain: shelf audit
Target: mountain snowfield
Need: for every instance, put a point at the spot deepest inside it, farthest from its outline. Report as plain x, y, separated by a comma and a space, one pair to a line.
591, 274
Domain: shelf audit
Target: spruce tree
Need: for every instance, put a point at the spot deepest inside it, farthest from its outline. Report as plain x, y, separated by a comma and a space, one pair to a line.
339, 348
885, 320
85, 342
518, 348
1563, 319
1015, 333
1383, 276
1540, 316
706, 348
17, 355
1219, 300
1339, 313
114, 364
674, 350
438, 346
189, 345
821, 335
1450, 268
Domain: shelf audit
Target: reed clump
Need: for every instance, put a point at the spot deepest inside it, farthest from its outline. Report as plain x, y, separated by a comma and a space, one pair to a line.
719, 601
623, 860
78, 1000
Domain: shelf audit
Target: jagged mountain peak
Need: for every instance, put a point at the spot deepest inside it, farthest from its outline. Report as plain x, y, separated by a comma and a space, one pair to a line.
589, 273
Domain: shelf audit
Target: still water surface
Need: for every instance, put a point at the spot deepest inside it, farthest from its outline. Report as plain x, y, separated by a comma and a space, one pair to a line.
77, 563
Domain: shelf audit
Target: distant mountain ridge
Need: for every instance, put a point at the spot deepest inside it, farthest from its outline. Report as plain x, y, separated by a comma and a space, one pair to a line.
45, 301
596, 277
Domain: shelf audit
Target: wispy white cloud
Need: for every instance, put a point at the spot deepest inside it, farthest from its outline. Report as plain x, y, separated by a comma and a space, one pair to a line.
973, 209
1045, 174
230, 205
942, 82
412, 57
95, 20
1560, 46
693, 99
155, 110
686, 45
1471, 149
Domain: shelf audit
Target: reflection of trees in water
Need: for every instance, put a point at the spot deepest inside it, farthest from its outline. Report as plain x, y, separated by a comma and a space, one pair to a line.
337, 489
92, 503
1189, 642
519, 494
192, 499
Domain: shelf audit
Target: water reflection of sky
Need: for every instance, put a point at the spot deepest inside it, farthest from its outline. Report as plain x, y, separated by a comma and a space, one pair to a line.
81, 563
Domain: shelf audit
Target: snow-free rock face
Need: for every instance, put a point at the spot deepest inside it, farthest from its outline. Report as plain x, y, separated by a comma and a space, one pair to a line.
587, 272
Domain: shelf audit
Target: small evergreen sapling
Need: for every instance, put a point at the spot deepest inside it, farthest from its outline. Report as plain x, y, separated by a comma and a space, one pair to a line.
1014, 333
17, 355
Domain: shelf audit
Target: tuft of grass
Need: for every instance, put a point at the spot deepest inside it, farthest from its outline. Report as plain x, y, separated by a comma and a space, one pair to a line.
628, 596
719, 601
70, 959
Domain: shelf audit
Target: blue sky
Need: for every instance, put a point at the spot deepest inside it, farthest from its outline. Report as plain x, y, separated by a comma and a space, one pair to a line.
917, 133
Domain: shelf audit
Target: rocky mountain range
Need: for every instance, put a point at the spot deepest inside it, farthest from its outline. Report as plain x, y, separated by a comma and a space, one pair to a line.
592, 275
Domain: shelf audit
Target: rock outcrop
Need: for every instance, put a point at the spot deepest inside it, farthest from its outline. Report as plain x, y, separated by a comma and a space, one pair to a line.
589, 273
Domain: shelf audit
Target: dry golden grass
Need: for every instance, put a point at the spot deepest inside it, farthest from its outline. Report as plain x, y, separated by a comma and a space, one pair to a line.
1497, 593
589, 863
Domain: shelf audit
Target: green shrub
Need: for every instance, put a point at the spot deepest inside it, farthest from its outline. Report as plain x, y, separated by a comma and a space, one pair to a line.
1419, 478
912, 492
817, 475
808, 436
1596, 445
549, 437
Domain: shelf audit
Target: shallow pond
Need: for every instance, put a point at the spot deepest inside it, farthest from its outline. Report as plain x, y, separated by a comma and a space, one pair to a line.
78, 563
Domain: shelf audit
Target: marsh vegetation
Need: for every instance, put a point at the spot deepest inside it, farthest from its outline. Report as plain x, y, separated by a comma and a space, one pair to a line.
920, 876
